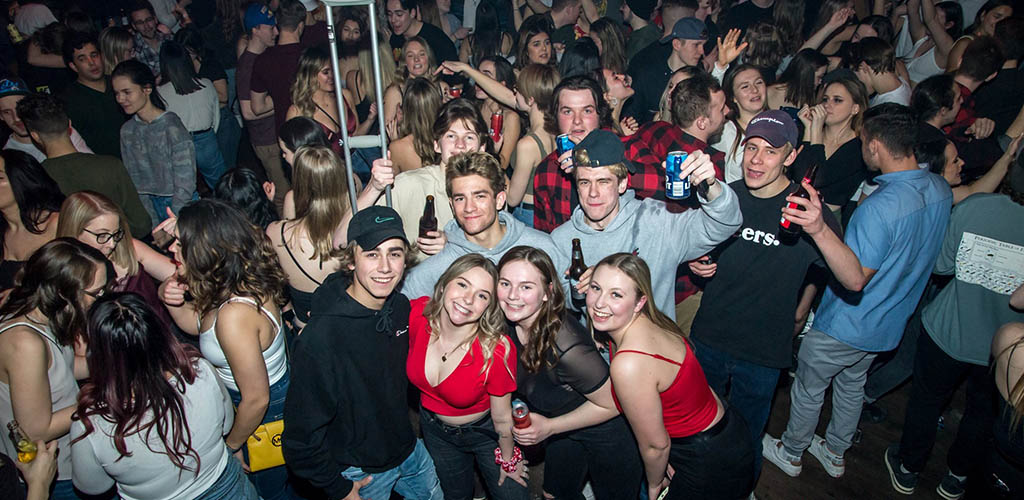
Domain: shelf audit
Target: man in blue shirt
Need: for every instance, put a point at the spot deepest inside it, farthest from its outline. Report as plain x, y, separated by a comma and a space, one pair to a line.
881, 270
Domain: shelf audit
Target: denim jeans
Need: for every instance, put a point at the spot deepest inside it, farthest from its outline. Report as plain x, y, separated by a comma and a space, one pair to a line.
414, 479
714, 464
160, 204
229, 134
748, 387
272, 484
606, 451
208, 157
936, 377
231, 485
63, 490
524, 215
455, 449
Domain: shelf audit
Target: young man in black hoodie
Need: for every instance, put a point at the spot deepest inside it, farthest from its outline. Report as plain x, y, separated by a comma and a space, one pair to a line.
347, 427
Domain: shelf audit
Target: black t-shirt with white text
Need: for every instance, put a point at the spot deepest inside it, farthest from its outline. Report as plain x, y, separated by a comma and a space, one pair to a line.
749, 305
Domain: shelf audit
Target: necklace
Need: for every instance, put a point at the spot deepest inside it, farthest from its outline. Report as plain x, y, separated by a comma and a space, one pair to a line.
444, 356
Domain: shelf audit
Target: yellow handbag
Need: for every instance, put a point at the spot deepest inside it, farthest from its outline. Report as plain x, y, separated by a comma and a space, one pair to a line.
265, 446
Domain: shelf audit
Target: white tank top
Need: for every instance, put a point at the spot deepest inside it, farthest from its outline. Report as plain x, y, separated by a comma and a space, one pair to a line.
63, 393
275, 356
923, 66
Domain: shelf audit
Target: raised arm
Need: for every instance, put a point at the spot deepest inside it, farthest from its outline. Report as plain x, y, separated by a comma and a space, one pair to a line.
943, 42
494, 88
989, 182
917, 27
838, 20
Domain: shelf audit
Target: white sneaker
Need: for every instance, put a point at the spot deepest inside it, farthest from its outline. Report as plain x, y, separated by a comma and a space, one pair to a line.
776, 454
834, 464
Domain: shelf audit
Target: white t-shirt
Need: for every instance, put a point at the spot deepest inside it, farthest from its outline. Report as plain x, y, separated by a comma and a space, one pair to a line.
38, 154
97, 465
199, 110
32, 17
899, 95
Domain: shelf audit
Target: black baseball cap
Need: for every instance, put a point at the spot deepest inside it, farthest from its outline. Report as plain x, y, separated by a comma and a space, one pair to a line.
372, 226
774, 126
600, 148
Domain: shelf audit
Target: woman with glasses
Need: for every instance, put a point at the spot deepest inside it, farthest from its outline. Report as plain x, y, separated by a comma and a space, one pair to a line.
98, 222
43, 336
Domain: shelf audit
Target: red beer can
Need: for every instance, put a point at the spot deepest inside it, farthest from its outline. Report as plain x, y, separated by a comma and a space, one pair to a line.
520, 415
497, 119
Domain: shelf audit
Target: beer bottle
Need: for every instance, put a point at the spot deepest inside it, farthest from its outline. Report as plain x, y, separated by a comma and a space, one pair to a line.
787, 226
428, 222
26, 448
576, 270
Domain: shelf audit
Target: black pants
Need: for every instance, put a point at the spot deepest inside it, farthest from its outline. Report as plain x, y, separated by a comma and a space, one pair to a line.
936, 378
717, 464
607, 451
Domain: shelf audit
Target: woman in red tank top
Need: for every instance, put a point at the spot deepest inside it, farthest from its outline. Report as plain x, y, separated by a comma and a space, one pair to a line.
465, 369
688, 440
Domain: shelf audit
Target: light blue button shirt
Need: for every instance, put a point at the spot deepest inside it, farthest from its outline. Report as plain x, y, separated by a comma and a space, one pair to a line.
898, 231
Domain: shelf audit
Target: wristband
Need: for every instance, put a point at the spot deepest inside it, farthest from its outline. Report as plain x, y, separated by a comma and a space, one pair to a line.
508, 466
232, 450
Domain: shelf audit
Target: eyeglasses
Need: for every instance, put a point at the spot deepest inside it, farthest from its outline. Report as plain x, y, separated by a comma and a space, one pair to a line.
102, 238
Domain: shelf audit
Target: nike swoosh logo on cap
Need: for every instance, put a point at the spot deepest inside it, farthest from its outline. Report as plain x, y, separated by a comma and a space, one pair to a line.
381, 220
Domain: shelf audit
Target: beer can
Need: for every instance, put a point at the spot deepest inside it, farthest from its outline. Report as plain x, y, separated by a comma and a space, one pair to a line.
496, 122
564, 144
455, 92
520, 414
677, 186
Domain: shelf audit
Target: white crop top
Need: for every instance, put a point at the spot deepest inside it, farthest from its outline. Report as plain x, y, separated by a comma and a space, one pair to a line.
275, 356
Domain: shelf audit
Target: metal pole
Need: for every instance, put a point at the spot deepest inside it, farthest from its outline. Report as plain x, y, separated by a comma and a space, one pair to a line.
382, 130
332, 40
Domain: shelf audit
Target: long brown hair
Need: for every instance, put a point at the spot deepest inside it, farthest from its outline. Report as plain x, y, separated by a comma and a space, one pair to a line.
227, 256
53, 281
321, 196
490, 328
549, 319
636, 269
420, 102
306, 83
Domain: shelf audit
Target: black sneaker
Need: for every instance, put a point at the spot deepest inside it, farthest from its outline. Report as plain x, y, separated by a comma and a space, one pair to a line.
903, 482
874, 413
951, 488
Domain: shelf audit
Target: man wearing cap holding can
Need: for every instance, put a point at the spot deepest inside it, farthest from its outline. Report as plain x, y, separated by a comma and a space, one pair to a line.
742, 333
611, 219
348, 428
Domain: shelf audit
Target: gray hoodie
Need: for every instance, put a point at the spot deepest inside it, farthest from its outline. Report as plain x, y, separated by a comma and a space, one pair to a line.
662, 238
421, 279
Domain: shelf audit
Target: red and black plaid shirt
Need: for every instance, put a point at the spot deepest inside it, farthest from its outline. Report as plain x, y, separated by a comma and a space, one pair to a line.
554, 194
964, 118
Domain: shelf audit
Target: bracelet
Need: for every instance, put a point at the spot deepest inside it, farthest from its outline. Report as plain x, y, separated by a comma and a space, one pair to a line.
232, 450
508, 466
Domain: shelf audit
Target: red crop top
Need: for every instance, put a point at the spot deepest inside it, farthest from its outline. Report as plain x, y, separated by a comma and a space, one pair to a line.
688, 406
465, 391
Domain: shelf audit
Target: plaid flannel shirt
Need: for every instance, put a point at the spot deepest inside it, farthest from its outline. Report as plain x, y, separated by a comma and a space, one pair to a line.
555, 197
145, 54
964, 118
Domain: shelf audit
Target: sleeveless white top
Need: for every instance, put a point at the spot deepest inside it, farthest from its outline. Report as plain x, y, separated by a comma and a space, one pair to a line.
924, 65
63, 393
275, 356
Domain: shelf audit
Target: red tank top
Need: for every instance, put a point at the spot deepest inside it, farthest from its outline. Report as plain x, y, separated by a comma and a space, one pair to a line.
688, 406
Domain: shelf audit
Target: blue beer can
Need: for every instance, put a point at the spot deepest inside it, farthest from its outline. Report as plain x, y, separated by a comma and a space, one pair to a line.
677, 186
564, 144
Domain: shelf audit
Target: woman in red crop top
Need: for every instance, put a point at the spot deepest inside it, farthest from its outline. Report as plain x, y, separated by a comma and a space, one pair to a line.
464, 367
688, 440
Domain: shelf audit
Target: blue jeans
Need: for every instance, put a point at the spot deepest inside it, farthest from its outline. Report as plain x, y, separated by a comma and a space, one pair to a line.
208, 157
415, 478
272, 484
63, 490
231, 485
160, 205
524, 215
747, 386
456, 448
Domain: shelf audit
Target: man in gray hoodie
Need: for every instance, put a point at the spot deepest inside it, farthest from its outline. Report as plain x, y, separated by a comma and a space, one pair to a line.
476, 191
610, 219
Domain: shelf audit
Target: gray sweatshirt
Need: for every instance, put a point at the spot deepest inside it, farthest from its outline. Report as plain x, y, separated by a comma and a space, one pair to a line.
663, 239
421, 279
160, 158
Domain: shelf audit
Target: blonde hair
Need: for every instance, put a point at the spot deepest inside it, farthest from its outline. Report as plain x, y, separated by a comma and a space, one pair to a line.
636, 270
305, 85
79, 209
320, 187
490, 330
402, 72
388, 68
115, 41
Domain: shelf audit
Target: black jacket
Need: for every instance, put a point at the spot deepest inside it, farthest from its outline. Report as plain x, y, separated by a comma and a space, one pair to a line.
346, 403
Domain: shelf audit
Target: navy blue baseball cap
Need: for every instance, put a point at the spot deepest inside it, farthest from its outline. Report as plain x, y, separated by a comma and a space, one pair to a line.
774, 126
688, 28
